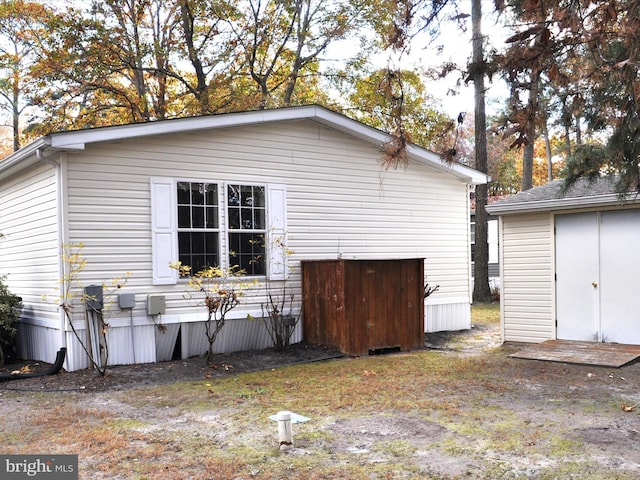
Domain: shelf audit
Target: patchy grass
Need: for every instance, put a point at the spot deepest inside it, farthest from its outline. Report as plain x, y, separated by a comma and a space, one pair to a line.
425, 414
486, 314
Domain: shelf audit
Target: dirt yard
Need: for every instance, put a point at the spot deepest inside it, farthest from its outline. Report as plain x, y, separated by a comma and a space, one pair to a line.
459, 409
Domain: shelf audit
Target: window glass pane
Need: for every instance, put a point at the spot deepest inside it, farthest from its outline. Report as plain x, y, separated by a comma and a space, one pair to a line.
184, 217
197, 220
211, 245
233, 195
184, 193
259, 219
247, 218
258, 197
197, 263
234, 218
212, 217
197, 193
247, 252
211, 194
184, 242
246, 195
197, 242
199, 250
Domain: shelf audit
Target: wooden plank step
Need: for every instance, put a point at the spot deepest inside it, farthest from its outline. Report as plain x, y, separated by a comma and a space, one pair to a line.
583, 353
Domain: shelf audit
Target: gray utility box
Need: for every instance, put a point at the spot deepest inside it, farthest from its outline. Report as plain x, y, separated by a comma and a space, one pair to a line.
155, 304
93, 297
126, 300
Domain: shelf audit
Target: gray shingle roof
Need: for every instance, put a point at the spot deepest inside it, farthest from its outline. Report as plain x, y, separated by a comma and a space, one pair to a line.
601, 192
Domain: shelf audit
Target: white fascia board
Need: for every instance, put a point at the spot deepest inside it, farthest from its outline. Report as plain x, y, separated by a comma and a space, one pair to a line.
75, 139
464, 173
609, 200
416, 153
23, 158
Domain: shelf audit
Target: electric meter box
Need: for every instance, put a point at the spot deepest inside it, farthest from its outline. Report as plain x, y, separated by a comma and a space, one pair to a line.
126, 300
155, 304
93, 298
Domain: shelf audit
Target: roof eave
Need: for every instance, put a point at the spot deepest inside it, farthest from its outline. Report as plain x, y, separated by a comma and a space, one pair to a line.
23, 158
609, 200
463, 173
77, 140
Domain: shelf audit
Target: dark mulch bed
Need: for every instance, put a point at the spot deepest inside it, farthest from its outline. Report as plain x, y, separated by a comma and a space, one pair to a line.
196, 368
128, 376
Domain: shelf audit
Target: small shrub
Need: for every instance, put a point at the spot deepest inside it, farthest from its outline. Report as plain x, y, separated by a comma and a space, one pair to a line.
10, 306
495, 293
220, 291
279, 318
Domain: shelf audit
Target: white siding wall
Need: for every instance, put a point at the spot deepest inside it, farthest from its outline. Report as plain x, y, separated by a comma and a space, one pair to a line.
527, 269
340, 202
29, 252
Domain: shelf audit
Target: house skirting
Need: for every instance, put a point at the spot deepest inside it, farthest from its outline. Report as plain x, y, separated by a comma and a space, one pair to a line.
177, 338
447, 315
152, 343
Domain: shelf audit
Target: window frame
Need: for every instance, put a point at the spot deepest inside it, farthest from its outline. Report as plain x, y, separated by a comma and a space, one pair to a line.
228, 231
164, 229
191, 229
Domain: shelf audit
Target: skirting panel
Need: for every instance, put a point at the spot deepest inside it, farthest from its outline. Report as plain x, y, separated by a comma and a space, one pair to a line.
236, 335
37, 343
447, 317
41, 343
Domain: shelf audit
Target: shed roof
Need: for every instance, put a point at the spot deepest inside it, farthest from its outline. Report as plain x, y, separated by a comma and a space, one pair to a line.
550, 197
77, 140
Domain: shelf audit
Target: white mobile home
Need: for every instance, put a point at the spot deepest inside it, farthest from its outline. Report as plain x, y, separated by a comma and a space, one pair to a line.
137, 196
569, 263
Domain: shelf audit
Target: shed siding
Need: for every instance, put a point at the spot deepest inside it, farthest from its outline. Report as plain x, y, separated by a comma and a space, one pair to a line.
527, 278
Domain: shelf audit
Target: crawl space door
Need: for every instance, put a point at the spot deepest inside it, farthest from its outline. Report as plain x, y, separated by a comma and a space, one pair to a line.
597, 268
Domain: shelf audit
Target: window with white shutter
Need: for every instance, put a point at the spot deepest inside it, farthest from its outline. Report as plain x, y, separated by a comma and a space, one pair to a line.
205, 224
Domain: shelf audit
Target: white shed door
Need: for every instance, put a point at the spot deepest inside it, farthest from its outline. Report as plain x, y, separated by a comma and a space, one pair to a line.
597, 264
620, 267
577, 301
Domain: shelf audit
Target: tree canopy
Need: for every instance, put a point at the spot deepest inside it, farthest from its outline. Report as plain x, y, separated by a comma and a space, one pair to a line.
571, 65
107, 62
585, 55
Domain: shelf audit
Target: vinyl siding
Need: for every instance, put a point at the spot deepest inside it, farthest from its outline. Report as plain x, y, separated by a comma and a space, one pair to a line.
29, 254
340, 202
527, 278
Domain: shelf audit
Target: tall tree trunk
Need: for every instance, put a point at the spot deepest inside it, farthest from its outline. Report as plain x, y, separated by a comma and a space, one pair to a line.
547, 145
188, 25
15, 107
578, 130
527, 153
481, 290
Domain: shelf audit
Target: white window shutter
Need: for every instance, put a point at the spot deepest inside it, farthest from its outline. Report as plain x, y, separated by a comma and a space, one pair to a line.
163, 230
277, 232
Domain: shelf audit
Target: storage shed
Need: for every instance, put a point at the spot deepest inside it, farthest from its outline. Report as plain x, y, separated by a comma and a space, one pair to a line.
364, 306
569, 263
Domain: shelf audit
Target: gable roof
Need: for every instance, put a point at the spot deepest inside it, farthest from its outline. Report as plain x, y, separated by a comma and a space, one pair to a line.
583, 194
76, 140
